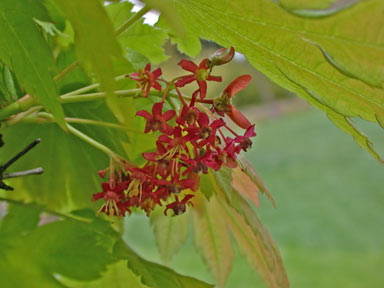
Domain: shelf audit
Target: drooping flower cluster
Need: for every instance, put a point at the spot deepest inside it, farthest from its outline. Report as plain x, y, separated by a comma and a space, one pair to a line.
190, 142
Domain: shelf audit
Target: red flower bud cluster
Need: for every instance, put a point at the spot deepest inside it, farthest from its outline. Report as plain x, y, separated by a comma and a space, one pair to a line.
190, 142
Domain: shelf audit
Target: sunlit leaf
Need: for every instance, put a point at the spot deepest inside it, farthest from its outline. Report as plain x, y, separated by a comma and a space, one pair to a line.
188, 42
67, 247
70, 165
91, 24
24, 49
7, 84
338, 58
207, 184
117, 276
155, 275
142, 38
170, 232
20, 219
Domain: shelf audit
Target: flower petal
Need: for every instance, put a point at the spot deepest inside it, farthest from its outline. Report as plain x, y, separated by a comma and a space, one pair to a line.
250, 131
217, 123
151, 156
147, 67
97, 196
203, 88
156, 86
166, 129
203, 64
164, 139
144, 114
188, 65
169, 115
186, 198
203, 120
185, 80
157, 108
214, 78
157, 73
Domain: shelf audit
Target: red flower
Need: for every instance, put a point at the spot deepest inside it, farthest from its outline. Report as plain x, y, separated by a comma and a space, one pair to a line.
177, 206
157, 121
244, 141
147, 79
200, 75
112, 198
188, 116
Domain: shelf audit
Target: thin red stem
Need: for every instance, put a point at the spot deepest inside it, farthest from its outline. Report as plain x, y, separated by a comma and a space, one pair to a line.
165, 92
181, 96
230, 130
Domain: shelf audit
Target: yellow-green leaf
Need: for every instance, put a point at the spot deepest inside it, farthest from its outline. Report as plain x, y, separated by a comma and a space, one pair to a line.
142, 38
95, 42
338, 58
24, 49
212, 239
256, 244
154, 275
170, 232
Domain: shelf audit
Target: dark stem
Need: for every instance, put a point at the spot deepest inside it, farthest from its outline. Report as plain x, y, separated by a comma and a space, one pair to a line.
19, 155
35, 171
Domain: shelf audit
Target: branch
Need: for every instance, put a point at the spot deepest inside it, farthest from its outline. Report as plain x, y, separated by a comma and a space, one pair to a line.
19, 155
35, 171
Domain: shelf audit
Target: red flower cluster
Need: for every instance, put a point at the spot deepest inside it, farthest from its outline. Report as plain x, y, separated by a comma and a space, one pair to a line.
190, 142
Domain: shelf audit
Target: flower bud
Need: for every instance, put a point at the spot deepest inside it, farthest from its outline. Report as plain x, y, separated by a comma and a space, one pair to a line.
221, 56
102, 173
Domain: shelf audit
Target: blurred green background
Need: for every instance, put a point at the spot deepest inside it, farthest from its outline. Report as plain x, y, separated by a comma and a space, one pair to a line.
329, 223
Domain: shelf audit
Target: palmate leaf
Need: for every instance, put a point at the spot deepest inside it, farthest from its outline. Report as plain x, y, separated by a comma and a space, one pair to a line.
333, 57
186, 40
117, 276
254, 242
154, 275
211, 239
95, 42
7, 84
24, 49
215, 218
70, 165
78, 247
228, 208
33, 256
170, 232
140, 37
